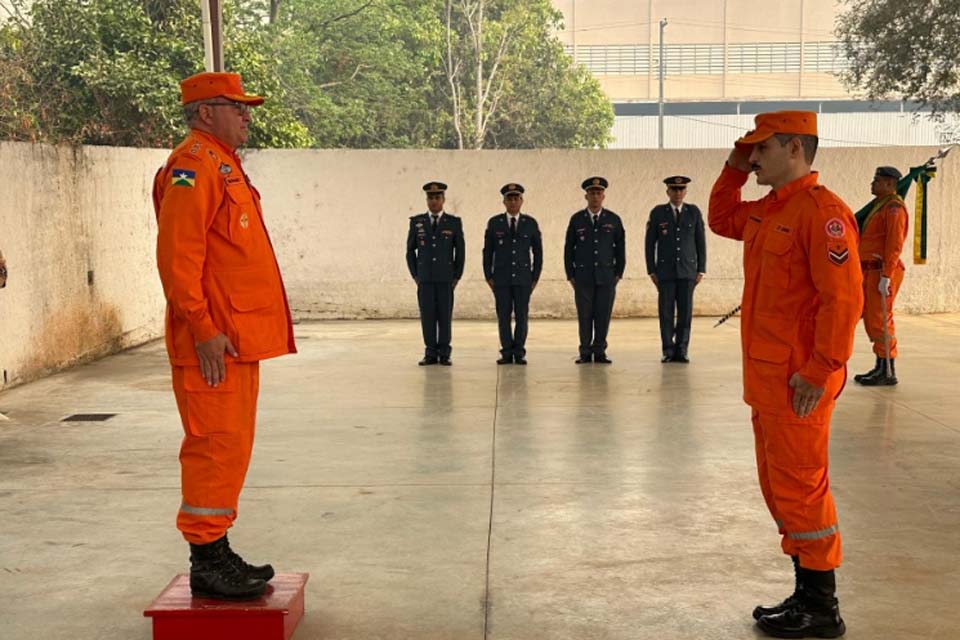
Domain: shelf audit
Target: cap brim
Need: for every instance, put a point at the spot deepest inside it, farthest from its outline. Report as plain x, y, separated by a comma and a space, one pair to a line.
513, 193
253, 101
754, 137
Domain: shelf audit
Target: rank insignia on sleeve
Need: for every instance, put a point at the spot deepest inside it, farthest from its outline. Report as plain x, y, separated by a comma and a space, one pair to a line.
183, 178
835, 228
838, 253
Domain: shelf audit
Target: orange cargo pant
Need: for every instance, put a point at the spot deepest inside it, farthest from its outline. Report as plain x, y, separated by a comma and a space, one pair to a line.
218, 430
873, 311
792, 465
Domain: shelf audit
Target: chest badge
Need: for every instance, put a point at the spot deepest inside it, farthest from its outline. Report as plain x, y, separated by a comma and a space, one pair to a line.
225, 168
244, 220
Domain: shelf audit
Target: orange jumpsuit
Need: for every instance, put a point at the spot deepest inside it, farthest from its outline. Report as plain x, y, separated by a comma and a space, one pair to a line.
219, 275
881, 242
801, 301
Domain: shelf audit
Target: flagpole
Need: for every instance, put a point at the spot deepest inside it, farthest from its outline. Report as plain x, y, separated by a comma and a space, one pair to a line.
212, 20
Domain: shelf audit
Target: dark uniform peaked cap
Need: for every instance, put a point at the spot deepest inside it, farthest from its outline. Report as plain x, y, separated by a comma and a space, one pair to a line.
435, 187
677, 181
512, 188
596, 182
888, 172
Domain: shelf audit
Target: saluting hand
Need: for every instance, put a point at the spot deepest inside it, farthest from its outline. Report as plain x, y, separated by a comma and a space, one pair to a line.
740, 159
805, 395
212, 366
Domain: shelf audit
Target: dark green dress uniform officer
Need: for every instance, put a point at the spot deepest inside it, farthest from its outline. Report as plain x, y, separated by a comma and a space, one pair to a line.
676, 251
435, 257
512, 262
594, 257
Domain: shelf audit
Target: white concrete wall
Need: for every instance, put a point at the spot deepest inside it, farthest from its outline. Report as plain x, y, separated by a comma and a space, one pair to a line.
339, 222
66, 212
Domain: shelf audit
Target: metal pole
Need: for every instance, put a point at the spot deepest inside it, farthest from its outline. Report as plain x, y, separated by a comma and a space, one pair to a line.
663, 25
573, 31
212, 22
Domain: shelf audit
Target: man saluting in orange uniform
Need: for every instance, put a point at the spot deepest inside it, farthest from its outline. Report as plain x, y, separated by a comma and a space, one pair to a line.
226, 311
881, 241
801, 301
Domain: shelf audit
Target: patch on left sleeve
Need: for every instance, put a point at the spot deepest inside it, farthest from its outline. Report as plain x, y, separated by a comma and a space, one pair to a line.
835, 228
838, 252
183, 177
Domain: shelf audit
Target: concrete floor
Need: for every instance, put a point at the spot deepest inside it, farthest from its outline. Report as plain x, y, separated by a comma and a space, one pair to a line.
545, 502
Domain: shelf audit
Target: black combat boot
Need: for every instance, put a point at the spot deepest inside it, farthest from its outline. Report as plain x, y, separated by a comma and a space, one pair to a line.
792, 599
213, 575
881, 379
262, 572
816, 613
869, 374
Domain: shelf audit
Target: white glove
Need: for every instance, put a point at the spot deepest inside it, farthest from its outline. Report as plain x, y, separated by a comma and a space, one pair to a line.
884, 287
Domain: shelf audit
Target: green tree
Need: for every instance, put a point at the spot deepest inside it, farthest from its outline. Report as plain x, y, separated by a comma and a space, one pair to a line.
510, 84
108, 72
336, 73
904, 48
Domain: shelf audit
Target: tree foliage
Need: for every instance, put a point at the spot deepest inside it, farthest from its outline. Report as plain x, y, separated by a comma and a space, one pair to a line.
904, 48
336, 73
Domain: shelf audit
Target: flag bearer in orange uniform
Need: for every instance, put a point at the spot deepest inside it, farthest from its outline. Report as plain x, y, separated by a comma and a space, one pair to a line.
226, 311
801, 301
881, 241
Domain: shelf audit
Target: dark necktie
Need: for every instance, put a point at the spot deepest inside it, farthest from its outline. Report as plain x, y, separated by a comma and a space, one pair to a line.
596, 221
433, 223
513, 225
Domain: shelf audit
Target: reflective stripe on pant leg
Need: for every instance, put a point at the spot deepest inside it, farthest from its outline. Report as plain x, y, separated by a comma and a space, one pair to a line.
797, 453
218, 436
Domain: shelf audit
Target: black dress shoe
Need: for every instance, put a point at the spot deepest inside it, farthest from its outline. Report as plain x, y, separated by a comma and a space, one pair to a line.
584, 359
505, 360
602, 358
666, 358
428, 360
446, 362
681, 357
804, 620
520, 360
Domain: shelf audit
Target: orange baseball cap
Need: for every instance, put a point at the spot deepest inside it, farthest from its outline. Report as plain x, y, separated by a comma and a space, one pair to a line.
768, 124
207, 85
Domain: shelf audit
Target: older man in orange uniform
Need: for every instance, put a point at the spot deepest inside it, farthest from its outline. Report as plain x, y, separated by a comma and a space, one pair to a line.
226, 311
881, 241
801, 301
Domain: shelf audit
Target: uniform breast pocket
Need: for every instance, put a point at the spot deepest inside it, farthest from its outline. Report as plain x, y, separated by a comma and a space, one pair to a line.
776, 256
242, 212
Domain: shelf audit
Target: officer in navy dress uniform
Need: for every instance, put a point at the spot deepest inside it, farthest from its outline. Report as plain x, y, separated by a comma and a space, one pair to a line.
435, 257
676, 250
512, 262
594, 257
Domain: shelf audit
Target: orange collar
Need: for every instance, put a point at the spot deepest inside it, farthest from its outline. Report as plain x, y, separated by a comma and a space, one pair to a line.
795, 186
216, 142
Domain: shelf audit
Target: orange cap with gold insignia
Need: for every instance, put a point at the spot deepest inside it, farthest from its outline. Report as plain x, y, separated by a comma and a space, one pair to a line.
801, 123
207, 85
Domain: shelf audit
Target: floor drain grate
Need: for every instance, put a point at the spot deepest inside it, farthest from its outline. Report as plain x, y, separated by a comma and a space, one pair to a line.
88, 417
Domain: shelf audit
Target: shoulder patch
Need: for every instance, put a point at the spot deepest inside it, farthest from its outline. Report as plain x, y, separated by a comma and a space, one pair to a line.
183, 177
838, 253
835, 228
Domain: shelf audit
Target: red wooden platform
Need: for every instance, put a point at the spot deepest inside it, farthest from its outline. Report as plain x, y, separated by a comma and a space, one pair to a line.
179, 616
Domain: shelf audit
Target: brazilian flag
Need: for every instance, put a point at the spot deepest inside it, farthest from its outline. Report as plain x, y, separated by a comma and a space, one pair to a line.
183, 178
